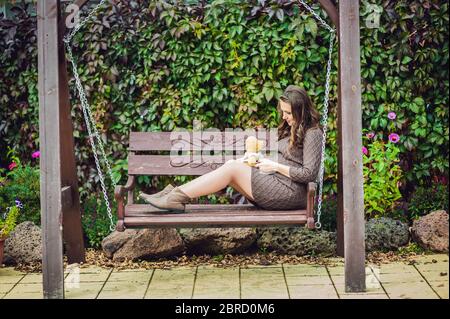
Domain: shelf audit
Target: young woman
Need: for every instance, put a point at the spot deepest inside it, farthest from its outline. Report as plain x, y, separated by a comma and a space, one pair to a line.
299, 148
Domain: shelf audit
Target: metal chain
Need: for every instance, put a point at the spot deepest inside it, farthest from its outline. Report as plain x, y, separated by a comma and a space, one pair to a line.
318, 224
325, 126
318, 18
89, 119
79, 25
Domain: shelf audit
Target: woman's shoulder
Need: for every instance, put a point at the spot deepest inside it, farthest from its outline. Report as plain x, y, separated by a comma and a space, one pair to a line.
314, 130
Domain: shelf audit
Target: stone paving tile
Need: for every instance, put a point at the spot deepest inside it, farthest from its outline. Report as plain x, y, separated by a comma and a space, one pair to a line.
304, 270
174, 283
411, 290
26, 291
263, 283
212, 277
32, 279
137, 276
312, 292
432, 257
395, 268
400, 277
363, 296
308, 280
431, 276
433, 267
441, 288
216, 293
89, 269
8, 275
85, 290
214, 282
5, 288
123, 290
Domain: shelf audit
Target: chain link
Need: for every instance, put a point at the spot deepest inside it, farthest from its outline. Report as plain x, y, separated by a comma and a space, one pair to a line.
318, 224
325, 126
89, 119
318, 18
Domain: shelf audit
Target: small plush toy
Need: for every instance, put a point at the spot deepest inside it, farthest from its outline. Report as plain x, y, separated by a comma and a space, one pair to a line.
253, 147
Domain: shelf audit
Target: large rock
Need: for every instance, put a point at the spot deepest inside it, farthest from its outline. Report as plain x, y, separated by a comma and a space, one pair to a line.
297, 241
431, 231
143, 244
24, 244
215, 241
116, 240
386, 234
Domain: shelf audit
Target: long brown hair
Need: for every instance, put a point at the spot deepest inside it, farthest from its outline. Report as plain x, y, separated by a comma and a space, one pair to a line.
304, 113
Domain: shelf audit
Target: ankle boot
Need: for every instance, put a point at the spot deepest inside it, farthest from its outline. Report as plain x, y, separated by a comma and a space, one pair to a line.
175, 201
165, 191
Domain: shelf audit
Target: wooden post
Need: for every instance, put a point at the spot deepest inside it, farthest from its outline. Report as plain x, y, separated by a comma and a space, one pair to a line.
351, 193
50, 161
72, 230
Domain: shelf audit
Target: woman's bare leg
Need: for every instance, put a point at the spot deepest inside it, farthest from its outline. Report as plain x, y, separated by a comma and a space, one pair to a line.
235, 174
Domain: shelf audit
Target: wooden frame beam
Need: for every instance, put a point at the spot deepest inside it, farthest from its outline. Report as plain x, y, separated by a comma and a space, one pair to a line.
351, 224
50, 161
332, 11
61, 217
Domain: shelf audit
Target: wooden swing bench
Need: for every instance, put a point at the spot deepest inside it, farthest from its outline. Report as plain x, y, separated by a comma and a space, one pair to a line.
134, 215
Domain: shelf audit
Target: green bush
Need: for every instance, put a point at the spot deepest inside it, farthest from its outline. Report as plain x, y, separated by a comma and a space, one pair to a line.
329, 213
95, 221
21, 185
426, 199
382, 176
8, 221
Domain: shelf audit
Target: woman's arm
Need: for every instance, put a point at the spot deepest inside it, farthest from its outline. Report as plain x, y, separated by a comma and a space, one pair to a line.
312, 151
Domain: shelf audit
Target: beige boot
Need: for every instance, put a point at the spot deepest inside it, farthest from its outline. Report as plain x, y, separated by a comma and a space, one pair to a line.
173, 201
165, 191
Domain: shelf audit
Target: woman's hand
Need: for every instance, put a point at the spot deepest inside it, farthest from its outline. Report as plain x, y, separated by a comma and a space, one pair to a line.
267, 165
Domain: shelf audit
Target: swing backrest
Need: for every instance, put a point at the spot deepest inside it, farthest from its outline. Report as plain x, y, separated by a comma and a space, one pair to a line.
189, 153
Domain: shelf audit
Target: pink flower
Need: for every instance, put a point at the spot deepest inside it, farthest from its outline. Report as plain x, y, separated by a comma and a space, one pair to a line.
12, 166
370, 135
394, 137
392, 115
36, 154
364, 150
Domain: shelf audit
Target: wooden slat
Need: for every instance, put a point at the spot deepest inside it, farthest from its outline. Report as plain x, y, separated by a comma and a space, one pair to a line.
187, 141
50, 162
206, 209
351, 195
249, 218
175, 165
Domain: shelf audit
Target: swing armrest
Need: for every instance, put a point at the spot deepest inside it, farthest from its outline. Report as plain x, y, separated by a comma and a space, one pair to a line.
310, 198
119, 194
120, 190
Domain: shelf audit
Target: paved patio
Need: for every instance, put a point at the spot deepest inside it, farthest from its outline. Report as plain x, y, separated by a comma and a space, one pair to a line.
428, 278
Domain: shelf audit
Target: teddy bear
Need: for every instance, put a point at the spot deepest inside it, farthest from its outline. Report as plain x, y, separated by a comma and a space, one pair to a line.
252, 154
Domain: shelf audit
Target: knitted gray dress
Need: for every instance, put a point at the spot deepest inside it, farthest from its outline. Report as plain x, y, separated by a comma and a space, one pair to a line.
279, 192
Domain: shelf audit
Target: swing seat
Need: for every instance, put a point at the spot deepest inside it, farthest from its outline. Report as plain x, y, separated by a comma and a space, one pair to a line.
187, 157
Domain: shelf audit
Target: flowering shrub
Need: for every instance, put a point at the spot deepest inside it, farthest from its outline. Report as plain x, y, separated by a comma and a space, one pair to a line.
20, 187
382, 175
